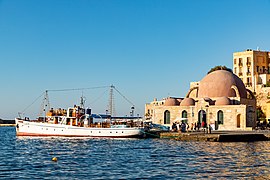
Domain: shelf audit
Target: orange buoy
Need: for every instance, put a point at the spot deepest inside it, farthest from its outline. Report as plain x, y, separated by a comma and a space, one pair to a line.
54, 159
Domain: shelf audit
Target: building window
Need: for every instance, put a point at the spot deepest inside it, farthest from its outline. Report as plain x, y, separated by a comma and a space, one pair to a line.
238, 121
184, 114
220, 117
167, 117
248, 84
257, 68
234, 61
240, 62
248, 61
235, 70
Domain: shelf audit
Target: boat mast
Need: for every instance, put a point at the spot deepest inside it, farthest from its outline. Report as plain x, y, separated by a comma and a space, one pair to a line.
111, 101
45, 104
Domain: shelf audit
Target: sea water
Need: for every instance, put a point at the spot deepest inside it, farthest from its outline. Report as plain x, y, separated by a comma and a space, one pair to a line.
87, 158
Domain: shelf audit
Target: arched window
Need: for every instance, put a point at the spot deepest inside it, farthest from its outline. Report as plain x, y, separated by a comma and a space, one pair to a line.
220, 117
184, 114
167, 117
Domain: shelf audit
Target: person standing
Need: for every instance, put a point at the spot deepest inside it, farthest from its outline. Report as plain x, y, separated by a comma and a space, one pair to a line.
192, 126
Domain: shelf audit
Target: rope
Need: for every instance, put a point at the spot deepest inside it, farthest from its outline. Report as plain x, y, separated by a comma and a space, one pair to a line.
33, 102
125, 98
92, 102
77, 89
80, 89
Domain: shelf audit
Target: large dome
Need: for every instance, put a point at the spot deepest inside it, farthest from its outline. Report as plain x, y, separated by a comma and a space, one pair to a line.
221, 83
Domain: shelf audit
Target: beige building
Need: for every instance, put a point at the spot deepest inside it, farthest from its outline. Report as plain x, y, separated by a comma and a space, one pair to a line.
220, 99
253, 68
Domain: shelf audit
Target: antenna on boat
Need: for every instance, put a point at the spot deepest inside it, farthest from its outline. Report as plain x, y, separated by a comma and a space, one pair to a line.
82, 101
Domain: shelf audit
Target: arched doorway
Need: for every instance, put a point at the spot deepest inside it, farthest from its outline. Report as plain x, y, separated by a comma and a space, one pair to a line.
167, 117
201, 116
238, 121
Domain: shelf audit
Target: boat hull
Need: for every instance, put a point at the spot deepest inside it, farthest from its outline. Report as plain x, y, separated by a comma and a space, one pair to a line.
27, 128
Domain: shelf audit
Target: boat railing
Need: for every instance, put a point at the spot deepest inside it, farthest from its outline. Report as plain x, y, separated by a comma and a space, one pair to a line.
119, 126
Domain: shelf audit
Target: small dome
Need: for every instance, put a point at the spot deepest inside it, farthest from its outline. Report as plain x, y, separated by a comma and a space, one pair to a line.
171, 102
188, 102
223, 101
219, 84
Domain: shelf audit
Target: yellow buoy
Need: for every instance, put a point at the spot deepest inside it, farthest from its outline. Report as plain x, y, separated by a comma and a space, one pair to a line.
54, 159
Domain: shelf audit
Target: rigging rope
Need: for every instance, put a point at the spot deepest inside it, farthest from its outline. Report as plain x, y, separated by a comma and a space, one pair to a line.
92, 102
77, 89
124, 97
33, 102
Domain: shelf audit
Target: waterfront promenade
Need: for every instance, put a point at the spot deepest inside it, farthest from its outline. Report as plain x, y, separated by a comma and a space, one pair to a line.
219, 136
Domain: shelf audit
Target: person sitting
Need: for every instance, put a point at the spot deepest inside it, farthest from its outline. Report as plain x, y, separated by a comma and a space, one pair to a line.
174, 127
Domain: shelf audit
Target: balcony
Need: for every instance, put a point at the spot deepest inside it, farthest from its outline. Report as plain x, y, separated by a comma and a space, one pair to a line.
240, 74
248, 63
240, 64
248, 74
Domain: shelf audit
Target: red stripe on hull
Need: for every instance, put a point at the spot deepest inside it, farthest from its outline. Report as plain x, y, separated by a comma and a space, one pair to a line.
47, 135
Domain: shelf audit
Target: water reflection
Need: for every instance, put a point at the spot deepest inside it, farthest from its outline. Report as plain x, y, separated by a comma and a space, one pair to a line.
86, 158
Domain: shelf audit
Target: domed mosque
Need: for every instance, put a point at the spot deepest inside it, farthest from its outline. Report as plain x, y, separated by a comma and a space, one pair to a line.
220, 100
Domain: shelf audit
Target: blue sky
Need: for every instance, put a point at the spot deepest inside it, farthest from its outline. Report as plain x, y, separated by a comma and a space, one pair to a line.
146, 48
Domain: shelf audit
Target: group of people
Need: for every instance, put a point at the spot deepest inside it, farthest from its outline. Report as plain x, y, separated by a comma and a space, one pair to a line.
177, 127
262, 125
184, 127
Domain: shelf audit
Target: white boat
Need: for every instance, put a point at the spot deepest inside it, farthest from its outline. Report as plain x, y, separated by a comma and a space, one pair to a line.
28, 128
80, 126
78, 122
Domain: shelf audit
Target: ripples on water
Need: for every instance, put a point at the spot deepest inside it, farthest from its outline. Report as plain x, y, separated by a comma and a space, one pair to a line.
85, 158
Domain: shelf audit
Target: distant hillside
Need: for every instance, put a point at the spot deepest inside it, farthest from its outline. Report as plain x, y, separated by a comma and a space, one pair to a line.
2, 121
